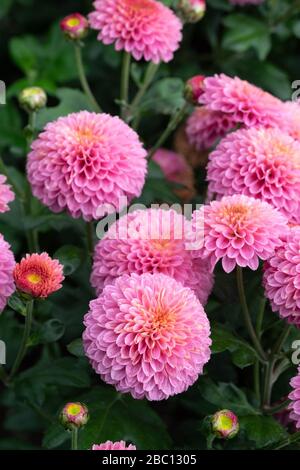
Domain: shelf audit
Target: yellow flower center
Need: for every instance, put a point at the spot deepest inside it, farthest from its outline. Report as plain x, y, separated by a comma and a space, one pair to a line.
73, 22
34, 278
225, 423
74, 409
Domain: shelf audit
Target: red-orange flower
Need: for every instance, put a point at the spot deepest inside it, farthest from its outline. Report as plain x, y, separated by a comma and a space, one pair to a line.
38, 275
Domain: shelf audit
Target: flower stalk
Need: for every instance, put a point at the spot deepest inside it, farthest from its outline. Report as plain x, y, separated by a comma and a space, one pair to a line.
83, 80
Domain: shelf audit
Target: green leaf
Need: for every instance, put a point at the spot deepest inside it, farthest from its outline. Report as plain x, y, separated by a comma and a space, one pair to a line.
11, 133
76, 348
245, 32
262, 430
114, 416
17, 304
243, 354
49, 332
164, 97
4, 7
71, 257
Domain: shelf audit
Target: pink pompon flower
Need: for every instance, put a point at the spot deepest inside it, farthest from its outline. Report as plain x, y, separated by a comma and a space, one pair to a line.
6, 195
204, 127
38, 275
75, 26
239, 230
153, 241
244, 102
109, 445
282, 278
144, 28
261, 163
176, 170
294, 396
85, 163
7, 264
147, 335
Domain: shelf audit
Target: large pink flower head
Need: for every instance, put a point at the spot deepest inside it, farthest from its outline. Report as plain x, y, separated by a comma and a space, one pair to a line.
6, 195
291, 119
85, 163
258, 162
144, 28
38, 275
147, 335
204, 127
239, 230
294, 406
7, 264
109, 445
151, 240
244, 102
282, 278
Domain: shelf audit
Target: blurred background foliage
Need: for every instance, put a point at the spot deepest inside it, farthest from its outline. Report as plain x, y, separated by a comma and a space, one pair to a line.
258, 43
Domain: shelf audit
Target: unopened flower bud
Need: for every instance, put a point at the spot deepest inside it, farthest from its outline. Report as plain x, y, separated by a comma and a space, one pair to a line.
194, 89
32, 99
225, 424
74, 415
75, 26
191, 11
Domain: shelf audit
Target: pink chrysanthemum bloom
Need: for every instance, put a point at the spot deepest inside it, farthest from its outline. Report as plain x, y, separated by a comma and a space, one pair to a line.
294, 406
282, 278
239, 230
85, 163
261, 163
204, 127
7, 264
244, 102
291, 119
147, 335
6, 195
38, 275
153, 241
144, 28
109, 445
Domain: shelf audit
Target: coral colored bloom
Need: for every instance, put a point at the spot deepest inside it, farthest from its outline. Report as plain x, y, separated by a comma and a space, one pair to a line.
151, 240
6, 195
75, 26
244, 102
239, 230
38, 275
282, 278
225, 424
74, 415
85, 163
147, 335
294, 406
176, 170
109, 445
144, 28
204, 127
7, 264
194, 89
261, 163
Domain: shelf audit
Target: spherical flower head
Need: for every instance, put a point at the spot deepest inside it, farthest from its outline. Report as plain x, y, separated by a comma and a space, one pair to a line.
153, 241
74, 416
239, 230
85, 163
244, 102
32, 99
6, 195
7, 264
144, 28
75, 26
261, 163
147, 335
281, 278
225, 424
176, 170
38, 275
191, 11
294, 396
204, 127
194, 89
109, 445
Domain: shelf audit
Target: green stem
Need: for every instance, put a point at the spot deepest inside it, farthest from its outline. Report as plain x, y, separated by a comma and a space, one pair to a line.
268, 383
24, 342
90, 238
74, 443
149, 76
124, 94
83, 80
256, 369
246, 313
282, 339
290, 440
275, 409
173, 123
